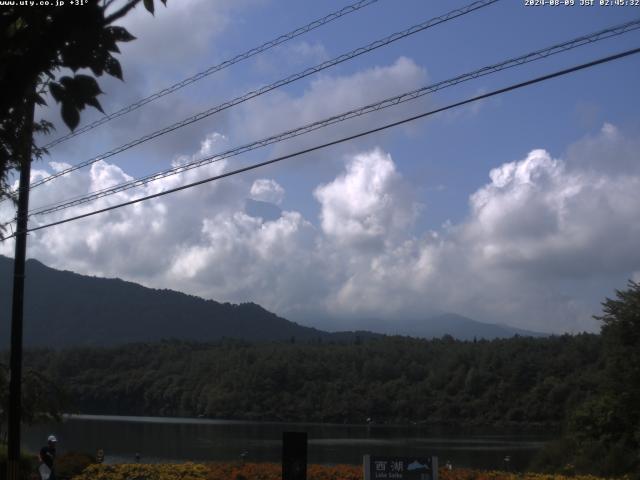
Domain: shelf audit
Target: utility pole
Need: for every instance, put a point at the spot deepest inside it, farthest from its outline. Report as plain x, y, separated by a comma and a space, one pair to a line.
17, 305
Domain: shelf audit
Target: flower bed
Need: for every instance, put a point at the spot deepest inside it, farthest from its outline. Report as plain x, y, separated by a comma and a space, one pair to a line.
272, 471
467, 474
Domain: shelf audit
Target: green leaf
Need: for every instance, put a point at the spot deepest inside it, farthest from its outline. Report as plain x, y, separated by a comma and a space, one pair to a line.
66, 82
43, 126
95, 104
113, 68
108, 42
57, 91
74, 94
39, 100
148, 4
120, 34
98, 60
15, 27
77, 52
79, 89
70, 115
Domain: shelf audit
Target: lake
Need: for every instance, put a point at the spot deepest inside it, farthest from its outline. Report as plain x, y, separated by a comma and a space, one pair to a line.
181, 439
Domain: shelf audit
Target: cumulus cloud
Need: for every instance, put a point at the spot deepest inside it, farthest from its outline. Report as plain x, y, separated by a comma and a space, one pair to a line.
366, 203
610, 151
548, 217
544, 241
138, 242
266, 190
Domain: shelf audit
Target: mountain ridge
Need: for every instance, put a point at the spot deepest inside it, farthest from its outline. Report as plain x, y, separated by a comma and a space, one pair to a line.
64, 309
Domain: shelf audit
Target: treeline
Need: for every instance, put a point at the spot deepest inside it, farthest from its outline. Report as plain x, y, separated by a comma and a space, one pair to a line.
523, 381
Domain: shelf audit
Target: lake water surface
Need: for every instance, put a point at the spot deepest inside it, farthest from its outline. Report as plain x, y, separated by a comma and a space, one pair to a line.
181, 439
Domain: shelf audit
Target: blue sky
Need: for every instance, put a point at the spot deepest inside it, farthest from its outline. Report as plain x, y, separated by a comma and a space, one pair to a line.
393, 226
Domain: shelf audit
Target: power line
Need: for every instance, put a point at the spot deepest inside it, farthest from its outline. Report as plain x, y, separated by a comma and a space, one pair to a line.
216, 68
290, 79
345, 139
389, 102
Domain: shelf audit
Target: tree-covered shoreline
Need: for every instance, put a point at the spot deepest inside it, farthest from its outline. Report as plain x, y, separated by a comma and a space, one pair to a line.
526, 382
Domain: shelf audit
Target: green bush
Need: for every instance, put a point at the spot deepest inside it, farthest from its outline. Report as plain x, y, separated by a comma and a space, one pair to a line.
28, 465
555, 457
71, 464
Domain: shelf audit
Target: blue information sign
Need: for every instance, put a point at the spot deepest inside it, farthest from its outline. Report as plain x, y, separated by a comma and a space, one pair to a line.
400, 468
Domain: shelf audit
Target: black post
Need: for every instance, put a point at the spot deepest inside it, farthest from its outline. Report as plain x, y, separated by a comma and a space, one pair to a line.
15, 382
294, 456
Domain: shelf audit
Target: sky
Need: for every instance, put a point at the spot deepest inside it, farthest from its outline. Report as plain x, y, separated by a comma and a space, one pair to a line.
520, 209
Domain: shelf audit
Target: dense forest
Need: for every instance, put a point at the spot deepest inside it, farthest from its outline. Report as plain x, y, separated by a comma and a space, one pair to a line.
519, 381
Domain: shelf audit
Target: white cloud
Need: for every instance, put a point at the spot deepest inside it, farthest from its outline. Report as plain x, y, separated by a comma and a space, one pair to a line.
241, 258
314, 51
266, 190
366, 204
291, 57
136, 242
545, 239
330, 94
610, 151
549, 217
161, 39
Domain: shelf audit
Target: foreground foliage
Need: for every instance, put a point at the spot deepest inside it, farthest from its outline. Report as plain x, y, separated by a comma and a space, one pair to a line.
466, 474
67, 465
184, 471
70, 464
42, 399
605, 429
28, 464
55, 41
272, 471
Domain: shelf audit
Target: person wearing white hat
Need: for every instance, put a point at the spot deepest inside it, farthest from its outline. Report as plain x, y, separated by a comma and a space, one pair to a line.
47, 459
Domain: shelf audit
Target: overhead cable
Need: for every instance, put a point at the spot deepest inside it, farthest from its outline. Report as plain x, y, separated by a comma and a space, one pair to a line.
342, 140
285, 81
215, 68
389, 102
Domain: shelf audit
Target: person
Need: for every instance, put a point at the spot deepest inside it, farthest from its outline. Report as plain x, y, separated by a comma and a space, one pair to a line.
47, 459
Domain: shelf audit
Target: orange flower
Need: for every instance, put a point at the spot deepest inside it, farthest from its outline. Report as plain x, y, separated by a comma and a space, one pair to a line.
273, 471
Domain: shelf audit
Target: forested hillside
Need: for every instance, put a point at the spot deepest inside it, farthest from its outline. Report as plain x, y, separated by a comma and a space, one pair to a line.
523, 381
104, 311
92, 311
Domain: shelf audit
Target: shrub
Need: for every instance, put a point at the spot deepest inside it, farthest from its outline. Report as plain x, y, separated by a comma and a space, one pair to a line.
28, 465
272, 471
72, 463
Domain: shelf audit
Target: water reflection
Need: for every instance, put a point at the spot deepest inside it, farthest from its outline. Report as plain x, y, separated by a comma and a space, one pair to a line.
176, 439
